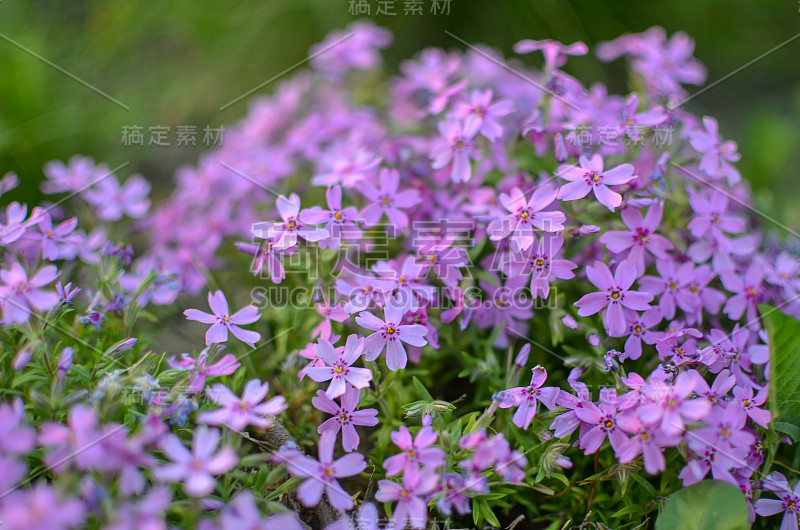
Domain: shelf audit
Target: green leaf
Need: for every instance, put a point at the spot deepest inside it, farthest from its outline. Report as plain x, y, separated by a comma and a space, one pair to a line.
421, 390
783, 334
708, 505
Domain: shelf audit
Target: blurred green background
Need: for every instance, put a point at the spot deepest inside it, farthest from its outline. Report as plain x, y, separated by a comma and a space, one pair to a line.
176, 63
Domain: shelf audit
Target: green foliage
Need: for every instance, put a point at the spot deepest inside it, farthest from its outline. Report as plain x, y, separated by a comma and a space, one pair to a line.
784, 350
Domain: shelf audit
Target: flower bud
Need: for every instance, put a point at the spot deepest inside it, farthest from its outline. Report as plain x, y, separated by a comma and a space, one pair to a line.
21, 359
64, 362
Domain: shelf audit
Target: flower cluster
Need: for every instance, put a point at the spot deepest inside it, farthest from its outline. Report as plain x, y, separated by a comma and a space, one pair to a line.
438, 227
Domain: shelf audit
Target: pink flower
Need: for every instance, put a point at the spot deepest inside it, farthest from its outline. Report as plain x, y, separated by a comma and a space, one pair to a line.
345, 417
40, 509
788, 503
670, 405
387, 200
21, 296
338, 369
481, 114
321, 474
539, 261
294, 225
200, 369
57, 241
555, 53
416, 452
456, 148
614, 294
445, 259
266, 255
237, 413
640, 236
339, 222
390, 334
525, 215
195, 469
222, 321
76, 442
112, 201
406, 282
601, 422
591, 177
717, 155
411, 497
526, 398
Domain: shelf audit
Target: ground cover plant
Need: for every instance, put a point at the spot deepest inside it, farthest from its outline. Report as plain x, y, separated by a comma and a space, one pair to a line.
468, 293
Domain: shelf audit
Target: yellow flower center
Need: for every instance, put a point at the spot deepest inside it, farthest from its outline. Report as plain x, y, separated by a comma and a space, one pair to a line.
524, 215
343, 416
338, 369
337, 215
638, 329
292, 224
390, 330
609, 424
386, 201
693, 288
614, 294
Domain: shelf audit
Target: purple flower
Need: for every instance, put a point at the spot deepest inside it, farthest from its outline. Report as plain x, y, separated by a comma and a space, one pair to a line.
57, 240
524, 216
711, 216
200, 369
387, 200
76, 442
455, 148
640, 236
16, 437
601, 420
285, 234
747, 292
743, 397
355, 48
417, 451
222, 321
80, 173
243, 512
112, 201
321, 474
695, 295
789, 502
525, 398
671, 406
339, 221
390, 334
40, 509
350, 168
406, 283
20, 296
726, 430
539, 261
555, 53
267, 255
145, 513
445, 260
591, 177
195, 469
647, 440
633, 122
345, 417
339, 369
411, 498
237, 413
14, 227
717, 155
639, 330
672, 279
614, 294
481, 114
